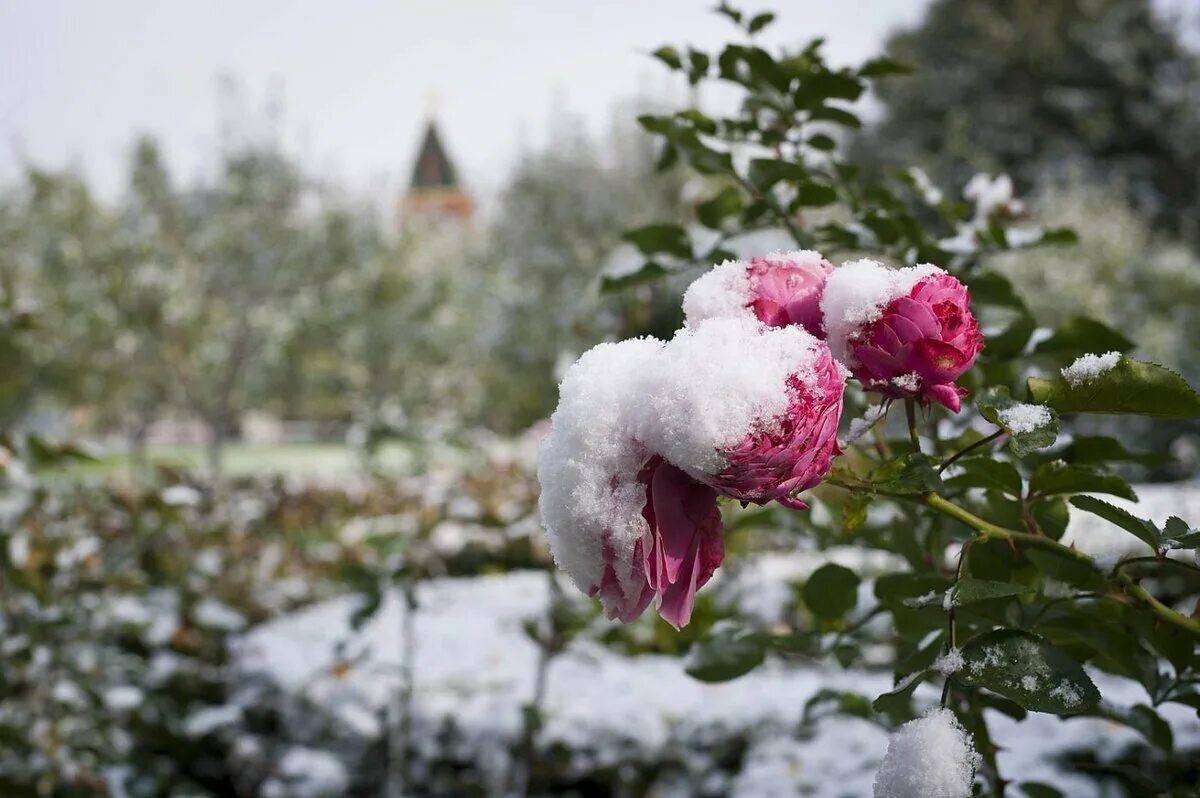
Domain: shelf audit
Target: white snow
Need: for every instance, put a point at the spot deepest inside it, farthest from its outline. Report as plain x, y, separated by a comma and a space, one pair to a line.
588, 464
856, 294
950, 662
308, 773
123, 698
218, 615
1021, 418
726, 290
717, 383
181, 496
861, 426
687, 400
990, 194
1087, 368
907, 382
930, 757
209, 719
721, 292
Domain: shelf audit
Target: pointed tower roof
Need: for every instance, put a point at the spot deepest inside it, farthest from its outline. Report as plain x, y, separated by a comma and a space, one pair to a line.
433, 168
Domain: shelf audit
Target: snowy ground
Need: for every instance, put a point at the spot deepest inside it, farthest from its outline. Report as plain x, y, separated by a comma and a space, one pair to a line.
475, 667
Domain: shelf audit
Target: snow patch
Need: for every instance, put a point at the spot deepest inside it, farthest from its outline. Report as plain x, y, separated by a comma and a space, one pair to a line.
930, 757
1022, 418
1087, 368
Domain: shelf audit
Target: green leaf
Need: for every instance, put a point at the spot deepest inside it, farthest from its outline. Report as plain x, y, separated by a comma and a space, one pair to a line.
1057, 478
726, 203
897, 702
1058, 235
990, 288
1085, 449
1132, 387
1035, 789
1178, 535
905, 475
818, 87
1052, 516
997, 406
1079, 335
653, 239
814, 195
698, 63
766, 172
822, 142
759, 22
883, 66
831, 591
727, 651
982, 472
699, 120
838, 116
969, 590
1025, 668
648, 272
1145, 720
1139, 527
669, 56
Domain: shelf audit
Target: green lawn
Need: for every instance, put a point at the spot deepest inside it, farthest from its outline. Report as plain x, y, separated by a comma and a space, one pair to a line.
295, 459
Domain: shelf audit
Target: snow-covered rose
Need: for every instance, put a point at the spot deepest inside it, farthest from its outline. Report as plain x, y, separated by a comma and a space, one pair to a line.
646, 436
779, 289
906, 333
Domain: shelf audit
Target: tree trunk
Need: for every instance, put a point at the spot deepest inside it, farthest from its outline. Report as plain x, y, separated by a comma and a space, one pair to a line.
215, 450
139, 460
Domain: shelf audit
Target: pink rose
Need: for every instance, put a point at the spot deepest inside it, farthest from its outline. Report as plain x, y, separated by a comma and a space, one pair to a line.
780, 289
922, 343
770, 465
648, 434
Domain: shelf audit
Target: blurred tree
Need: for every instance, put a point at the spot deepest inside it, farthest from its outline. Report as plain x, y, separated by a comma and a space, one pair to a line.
560, 220
240, 286
1040, 89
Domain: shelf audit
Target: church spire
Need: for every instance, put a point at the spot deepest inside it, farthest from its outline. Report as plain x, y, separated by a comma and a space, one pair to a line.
433, 189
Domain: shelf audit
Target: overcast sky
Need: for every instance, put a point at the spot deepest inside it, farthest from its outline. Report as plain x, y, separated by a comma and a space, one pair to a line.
79, 79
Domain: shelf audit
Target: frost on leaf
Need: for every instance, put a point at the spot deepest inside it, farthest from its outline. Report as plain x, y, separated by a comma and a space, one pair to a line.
930, 757
1021, 418
1087, 368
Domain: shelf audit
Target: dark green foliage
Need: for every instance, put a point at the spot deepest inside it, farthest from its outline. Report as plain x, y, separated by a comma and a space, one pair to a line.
1039, 89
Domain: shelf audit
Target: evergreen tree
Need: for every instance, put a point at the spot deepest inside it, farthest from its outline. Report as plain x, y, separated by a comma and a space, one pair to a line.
1040, 89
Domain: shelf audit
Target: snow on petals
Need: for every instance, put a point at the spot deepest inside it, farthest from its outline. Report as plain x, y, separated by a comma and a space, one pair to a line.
779, 289
929, 757
906, 333
647, 434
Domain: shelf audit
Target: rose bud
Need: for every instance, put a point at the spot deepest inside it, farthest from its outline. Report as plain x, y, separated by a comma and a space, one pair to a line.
780, 289
906, 333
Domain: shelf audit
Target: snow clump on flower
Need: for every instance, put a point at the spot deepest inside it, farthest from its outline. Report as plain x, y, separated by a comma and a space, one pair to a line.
780, 289
906, 333
648, 433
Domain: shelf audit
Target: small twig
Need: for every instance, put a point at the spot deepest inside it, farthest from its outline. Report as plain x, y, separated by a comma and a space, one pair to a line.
968, 449
951, 629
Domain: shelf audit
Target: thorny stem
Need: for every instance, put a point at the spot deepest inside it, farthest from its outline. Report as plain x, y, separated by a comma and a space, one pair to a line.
968, 449
910, 411
1120, 580
951, 629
